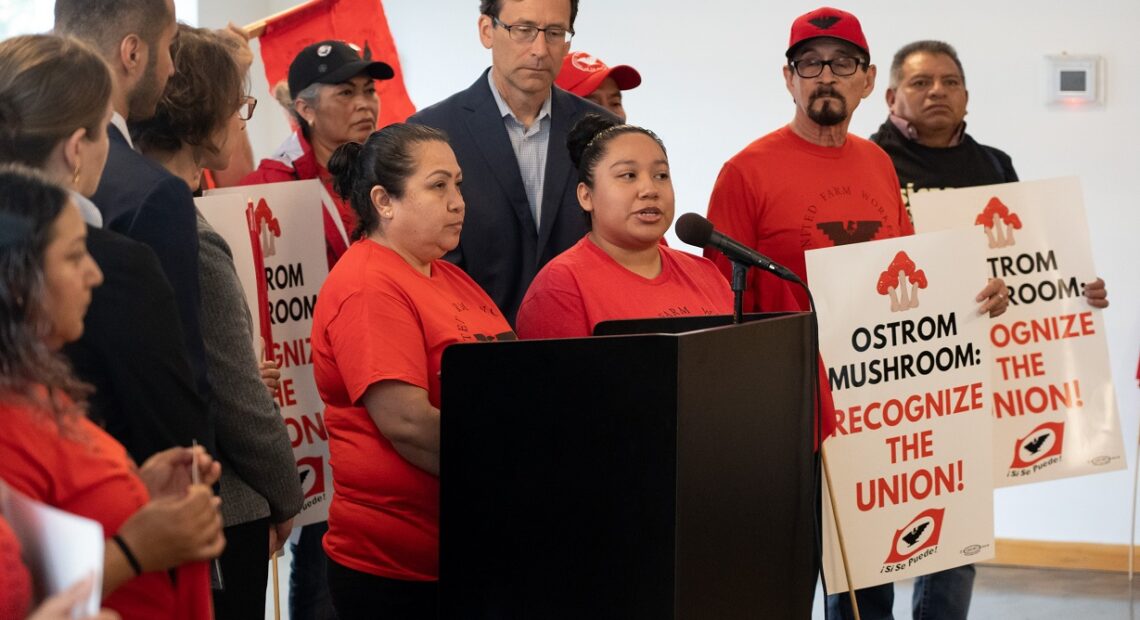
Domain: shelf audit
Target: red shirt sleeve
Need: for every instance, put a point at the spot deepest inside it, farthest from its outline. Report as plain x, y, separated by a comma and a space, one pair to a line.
552, 308
379, 336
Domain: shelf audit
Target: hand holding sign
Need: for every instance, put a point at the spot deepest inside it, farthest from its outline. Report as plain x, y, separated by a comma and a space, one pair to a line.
994, 298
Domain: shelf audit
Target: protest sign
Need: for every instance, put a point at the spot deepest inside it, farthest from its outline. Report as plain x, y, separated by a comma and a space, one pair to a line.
276, 234
59, 548
1053, 404
908, 364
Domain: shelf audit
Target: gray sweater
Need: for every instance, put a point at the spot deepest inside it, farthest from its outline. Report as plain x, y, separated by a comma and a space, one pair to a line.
259, 474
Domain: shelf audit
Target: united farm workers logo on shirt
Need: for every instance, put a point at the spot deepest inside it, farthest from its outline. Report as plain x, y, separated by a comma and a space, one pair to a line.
894, 282
999, 223
267, 226
922, 533
1041, 443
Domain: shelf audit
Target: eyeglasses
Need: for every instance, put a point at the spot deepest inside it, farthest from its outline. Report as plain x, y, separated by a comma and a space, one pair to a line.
245, 109
842, 66
524, 33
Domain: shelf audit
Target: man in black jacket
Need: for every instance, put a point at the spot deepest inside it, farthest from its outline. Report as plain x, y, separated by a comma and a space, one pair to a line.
925, 134
509, 130
150, 390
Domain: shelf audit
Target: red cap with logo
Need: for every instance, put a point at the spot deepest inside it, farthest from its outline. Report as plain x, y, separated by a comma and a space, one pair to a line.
827, 22
581, 74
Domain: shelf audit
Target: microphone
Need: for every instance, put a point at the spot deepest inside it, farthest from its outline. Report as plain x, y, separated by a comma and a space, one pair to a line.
696, 230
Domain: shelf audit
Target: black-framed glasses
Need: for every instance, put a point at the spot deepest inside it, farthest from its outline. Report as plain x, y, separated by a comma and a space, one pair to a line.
841, 66
245, 110
525, 33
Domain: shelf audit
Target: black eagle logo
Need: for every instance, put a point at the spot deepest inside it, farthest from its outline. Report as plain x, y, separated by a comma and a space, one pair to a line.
843, 233
1033, 446
823, 23
912, 537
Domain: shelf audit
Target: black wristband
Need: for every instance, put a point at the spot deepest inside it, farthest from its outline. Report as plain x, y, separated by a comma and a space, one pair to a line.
131, 559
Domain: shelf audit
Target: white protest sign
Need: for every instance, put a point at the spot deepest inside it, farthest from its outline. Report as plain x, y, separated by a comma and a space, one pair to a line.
1053, 403
908, 363
59, 548
287, 223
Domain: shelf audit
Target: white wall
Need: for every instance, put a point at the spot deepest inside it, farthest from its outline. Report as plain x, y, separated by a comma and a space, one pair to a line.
712, 83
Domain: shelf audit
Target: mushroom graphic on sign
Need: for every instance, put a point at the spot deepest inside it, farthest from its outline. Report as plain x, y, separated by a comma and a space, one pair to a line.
268, 226
894, 281
999, 223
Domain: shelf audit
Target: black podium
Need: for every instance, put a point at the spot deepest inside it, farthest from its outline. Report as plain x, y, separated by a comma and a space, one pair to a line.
657, 475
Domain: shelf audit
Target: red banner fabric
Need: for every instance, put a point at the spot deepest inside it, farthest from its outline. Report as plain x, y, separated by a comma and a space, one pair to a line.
359, 22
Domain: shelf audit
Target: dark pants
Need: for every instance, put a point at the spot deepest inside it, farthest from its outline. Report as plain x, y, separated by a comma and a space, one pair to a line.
358, 595
308, 583
944, 595
245, 571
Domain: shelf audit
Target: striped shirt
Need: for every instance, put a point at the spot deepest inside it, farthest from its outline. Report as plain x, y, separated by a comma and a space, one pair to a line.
530, 145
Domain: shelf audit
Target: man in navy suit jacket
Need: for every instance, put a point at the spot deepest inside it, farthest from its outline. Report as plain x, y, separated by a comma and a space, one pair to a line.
508, 131
136, 196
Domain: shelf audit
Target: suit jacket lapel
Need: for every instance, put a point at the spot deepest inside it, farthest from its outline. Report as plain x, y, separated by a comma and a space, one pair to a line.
490, 138
557, 166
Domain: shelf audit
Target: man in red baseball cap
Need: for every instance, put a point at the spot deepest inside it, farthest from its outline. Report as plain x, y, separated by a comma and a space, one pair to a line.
590, 78
811, 185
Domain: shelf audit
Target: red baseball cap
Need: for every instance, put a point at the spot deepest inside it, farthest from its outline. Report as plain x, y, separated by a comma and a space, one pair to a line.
581, 74
827, 22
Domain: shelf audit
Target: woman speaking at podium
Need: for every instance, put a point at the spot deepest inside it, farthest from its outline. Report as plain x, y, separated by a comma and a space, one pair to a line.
620, 269
385, 314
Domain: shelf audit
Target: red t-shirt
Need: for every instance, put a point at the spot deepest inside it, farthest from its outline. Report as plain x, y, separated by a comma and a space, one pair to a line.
584, 286
83, 470
15, 582
295, 161
379, 319
783, 195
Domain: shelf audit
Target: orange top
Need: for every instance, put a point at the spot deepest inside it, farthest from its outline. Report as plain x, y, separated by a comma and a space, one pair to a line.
79, 468
584, 286
378, 319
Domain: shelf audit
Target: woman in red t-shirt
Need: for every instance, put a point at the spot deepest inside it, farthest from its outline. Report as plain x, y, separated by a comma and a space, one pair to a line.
385, 314
155, 520
620, 269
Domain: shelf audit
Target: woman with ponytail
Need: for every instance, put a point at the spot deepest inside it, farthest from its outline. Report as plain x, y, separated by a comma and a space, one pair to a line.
385, 314
620, 269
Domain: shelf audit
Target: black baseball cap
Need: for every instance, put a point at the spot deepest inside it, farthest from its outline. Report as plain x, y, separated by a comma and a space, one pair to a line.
333, 62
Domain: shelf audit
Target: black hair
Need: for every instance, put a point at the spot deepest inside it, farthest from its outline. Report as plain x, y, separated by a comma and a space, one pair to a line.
492, 8
588, 139
587, 143
27, 364
385, 159
928, 46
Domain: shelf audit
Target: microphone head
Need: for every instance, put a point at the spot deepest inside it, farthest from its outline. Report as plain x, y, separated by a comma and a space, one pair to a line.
694, 229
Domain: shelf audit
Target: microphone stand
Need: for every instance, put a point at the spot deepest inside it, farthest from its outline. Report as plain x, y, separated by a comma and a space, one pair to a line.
739, 282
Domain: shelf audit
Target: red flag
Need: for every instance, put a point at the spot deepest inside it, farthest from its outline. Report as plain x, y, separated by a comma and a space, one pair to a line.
359, 22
